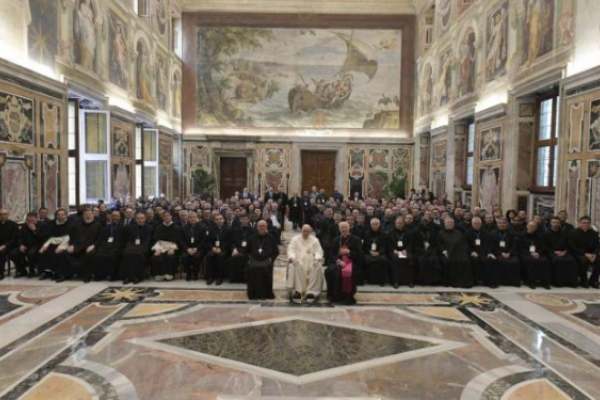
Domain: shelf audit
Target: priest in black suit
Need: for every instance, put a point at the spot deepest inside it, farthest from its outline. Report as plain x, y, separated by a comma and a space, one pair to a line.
263, 250
345, 267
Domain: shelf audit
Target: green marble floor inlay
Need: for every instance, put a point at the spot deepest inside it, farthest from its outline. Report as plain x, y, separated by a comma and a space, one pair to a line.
297, 347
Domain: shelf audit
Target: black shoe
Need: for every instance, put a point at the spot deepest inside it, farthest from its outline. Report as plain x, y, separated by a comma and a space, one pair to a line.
1, 277
395, 286
112, 279
97, 278
209, 282
59, 279
87, 279
382, 284
595, 285
494, 287
585, 285
31, 274
411, 285
195, 277
532, 287
219, 282
188, 277
297, 298
547, 287
136, 281
45, 275
126, 281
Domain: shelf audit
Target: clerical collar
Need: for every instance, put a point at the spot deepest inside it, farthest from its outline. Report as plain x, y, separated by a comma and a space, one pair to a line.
169, 224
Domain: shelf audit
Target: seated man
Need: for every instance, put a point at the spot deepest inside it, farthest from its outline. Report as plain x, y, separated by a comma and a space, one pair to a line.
454, 253
56, 234
585, 244
375, 249
137, 239
430, 268
502, 265
193, 237
217, 249
263, 250
403, 246
238, 263
79, 256
28, 246
564, 267
305, 269
168, 242
9, 234
108, 254
532, 253
345, 265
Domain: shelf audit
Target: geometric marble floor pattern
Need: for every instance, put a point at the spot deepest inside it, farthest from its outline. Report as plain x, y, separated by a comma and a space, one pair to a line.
156, 343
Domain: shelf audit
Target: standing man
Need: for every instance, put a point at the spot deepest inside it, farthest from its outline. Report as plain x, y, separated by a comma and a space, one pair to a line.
345, 267
217, 249
305, 269
263, 250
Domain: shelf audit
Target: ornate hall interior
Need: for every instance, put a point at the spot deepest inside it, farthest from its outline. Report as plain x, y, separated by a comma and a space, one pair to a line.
302, 117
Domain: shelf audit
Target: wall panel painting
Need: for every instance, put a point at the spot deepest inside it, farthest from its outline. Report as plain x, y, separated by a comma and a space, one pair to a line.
573, 187
121, 180
16, 119
15, 185
378, 183
86, 38
489, 188
162, 82
119, 48
43, 31
543, 204
467, 70
356, 171
576, 122
538, 31
51, 182
594, 132
274, 179
298, 78
445, 80
496, 57
490, 144
593, 191
122, 140
50, 126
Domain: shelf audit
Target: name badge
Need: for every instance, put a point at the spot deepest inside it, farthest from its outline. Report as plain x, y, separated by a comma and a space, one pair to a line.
111, 239
502, 244
426, 245
244, 243
305, 204
218, 243
532, 249
477, 242
295, 205
373, 246
137, 242
206, 233
192, 240
400, 244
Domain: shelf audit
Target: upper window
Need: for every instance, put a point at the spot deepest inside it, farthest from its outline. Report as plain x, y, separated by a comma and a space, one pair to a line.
470, 151
141, 7
546, 143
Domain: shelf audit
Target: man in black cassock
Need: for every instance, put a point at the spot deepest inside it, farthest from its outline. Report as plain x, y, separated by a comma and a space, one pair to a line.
430, 268
375, 248
263, 250
29, 242
345, 267
79, 256
9, 234
218, 243
478, 250
137, 240
55, 235
108, 253
402, 247
532, 252
295, 204
168, 242
193, 238
502, 266
564, 266
454, 253
585, 244
238, 263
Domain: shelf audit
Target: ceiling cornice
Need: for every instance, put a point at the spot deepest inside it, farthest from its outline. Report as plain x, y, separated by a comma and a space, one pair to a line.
371, 7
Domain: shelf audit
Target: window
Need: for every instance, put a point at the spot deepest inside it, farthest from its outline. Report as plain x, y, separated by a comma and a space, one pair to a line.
470, 159
150, 170
139, 161
177, 37
428, 32
546, 143
94, 157
73, 145
141, 7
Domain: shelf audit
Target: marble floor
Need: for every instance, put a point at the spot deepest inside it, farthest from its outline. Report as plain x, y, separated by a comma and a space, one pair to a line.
182, 341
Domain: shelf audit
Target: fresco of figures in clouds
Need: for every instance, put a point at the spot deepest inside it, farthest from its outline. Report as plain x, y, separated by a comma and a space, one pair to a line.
298, 78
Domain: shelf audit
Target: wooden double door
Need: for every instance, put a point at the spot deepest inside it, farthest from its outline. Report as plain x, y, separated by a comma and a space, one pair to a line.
318, 169
234, 175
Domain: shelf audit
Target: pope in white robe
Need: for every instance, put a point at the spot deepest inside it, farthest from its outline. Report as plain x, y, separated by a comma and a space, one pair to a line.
305, 275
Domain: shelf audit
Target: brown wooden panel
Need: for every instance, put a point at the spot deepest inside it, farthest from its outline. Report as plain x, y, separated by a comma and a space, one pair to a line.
318, 169
234, 175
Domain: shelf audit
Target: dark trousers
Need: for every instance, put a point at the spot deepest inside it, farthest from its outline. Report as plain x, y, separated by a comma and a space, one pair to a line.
133, 266
79, 264
164, 264
192, 263
216, 265
3, 259
25, 262
106, 265
584, 266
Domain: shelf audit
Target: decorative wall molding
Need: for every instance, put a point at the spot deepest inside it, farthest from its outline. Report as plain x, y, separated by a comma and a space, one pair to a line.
360, 7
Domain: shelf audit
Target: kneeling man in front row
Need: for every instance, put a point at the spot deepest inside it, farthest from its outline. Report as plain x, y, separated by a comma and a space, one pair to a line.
305, 269
263, 250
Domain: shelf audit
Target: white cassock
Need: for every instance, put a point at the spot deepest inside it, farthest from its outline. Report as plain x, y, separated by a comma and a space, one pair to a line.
306, 274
